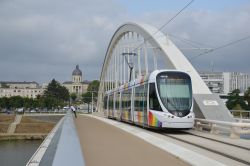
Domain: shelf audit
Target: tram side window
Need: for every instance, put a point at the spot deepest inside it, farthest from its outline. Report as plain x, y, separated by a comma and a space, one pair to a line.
145, 89
140, 101
111, 102
126, 100
137, 99
153, 100
105, 102
117, 101
129, 92
114, 101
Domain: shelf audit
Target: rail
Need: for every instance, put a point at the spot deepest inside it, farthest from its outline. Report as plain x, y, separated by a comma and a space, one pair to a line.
242, 120
235, 129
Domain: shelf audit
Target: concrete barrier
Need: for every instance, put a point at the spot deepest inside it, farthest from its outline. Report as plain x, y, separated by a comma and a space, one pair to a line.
61, 147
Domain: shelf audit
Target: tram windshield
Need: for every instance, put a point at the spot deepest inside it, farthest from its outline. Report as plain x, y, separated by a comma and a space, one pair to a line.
175, 92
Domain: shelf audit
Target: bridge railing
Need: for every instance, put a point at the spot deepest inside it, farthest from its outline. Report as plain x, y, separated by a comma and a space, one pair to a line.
242, 120
234, 129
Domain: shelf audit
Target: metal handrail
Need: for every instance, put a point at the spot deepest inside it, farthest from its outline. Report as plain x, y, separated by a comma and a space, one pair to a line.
235, 129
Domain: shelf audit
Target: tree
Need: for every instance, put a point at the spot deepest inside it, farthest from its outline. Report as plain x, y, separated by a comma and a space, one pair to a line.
73, 96
4, 102
16, 101
92, 90
87, 98
94, 87
247, 97
55, 94
235, 101
63, 93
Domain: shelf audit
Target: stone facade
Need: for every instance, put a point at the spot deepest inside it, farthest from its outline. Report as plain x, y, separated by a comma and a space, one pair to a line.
23, 89
225, 82
76, 85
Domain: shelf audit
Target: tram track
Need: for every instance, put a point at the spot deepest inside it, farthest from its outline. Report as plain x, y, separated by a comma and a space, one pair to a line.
238, 146
209, 141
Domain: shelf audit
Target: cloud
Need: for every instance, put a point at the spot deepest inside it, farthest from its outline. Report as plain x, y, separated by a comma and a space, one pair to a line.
212, 29
41, 40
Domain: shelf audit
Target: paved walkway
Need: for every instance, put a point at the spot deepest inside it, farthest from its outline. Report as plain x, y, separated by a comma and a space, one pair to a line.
12, 127
106, 145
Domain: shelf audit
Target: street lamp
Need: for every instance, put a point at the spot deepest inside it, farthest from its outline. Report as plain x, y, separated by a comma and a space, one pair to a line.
130, 64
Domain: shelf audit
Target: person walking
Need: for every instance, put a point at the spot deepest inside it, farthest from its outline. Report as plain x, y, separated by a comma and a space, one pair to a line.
74, 110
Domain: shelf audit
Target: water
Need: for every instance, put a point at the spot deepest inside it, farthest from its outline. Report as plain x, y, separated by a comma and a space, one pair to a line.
17, 152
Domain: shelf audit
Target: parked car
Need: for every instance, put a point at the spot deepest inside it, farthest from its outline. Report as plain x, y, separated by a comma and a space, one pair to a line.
20, 110
32, 111
65, 108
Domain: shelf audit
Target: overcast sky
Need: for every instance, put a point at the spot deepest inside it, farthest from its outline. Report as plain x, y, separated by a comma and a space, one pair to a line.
45, 39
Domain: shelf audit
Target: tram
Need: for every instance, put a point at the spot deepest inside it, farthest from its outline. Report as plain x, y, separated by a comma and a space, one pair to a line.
163, 99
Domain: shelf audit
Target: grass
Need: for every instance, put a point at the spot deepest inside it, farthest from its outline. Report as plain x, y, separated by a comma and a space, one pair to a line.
27, 125
5, 121
31, 125
4, 128
34, 127
26, 119
7, 118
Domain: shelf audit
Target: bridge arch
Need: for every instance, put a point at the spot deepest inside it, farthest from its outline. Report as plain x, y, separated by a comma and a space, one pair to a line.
140, 37
173, 57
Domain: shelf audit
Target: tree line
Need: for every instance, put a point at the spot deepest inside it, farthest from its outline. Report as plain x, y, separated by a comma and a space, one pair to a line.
57, 96
237, 102
54, 96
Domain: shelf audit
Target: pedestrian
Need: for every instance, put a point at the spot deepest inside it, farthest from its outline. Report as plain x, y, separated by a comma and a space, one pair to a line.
74, 110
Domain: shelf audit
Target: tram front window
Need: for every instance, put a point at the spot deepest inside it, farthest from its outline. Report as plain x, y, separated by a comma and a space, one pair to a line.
175, 92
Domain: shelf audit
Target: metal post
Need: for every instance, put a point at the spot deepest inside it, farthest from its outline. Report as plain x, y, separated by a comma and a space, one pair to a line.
129, 68
146, 57
130, 64
155, 58
124, 68
139, 62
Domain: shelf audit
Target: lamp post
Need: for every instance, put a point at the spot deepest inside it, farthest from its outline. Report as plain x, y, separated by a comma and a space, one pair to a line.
130, 64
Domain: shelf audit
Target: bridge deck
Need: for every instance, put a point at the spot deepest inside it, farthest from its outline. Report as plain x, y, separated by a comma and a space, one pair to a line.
104, 144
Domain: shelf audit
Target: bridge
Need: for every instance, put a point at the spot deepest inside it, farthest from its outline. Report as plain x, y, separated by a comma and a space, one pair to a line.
134, 51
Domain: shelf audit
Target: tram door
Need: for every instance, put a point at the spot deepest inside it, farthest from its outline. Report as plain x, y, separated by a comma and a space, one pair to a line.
105, 105
116, 105
140, 105
126, 105
119, 106
145, 105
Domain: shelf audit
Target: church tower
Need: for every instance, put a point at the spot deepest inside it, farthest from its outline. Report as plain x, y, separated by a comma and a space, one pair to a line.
77, 75
76, 85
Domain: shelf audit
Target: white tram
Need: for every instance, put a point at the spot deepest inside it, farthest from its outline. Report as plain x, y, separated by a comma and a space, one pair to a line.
162, 99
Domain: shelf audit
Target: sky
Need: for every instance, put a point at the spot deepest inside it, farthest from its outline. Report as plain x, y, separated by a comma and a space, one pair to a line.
45, 39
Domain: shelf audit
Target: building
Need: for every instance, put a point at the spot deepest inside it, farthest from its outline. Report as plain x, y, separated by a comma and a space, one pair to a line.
225, 82
76, 85
23, 89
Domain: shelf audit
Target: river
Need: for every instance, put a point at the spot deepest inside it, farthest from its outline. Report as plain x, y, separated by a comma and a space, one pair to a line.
17, 152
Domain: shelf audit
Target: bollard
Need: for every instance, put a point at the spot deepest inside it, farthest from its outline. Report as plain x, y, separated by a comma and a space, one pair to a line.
234, 134
213, 129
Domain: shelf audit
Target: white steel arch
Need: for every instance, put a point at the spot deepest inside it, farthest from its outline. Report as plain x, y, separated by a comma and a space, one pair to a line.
174, 58
139, 39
